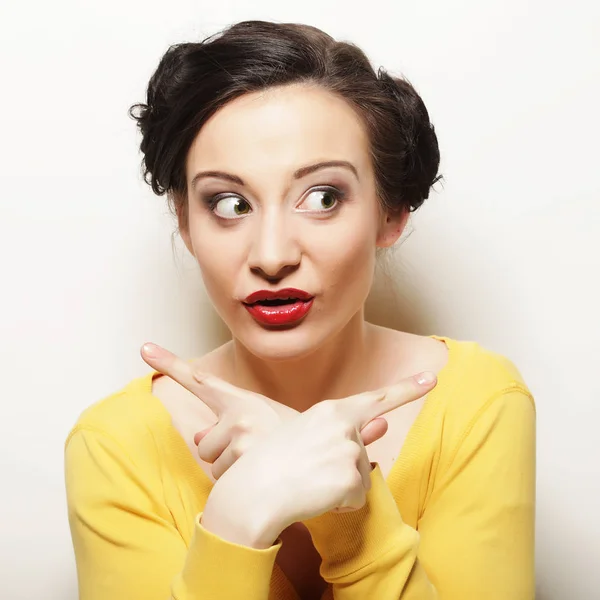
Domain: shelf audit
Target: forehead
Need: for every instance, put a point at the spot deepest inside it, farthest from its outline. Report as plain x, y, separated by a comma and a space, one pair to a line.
278, 130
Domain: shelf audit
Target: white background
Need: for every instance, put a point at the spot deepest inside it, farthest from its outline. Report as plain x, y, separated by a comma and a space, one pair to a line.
506, 253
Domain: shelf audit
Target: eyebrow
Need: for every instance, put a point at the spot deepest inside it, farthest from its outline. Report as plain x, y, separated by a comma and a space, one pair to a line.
298, 174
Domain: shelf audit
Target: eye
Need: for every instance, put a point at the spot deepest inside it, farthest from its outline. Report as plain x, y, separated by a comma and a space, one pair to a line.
229, 207
324, 199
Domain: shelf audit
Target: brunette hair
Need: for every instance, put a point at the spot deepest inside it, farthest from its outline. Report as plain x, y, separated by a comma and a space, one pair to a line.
194, 79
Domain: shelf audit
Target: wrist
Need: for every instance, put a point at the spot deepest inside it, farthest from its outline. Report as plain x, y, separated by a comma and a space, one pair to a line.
240, 523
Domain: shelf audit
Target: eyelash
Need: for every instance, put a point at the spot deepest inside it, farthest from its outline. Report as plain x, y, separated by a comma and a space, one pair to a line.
339, 195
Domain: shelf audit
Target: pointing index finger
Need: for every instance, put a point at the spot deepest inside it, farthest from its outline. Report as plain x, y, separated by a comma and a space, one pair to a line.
181, 371
370, 405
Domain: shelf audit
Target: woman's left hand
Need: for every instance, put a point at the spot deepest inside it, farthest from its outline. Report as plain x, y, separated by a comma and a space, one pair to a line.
243, 416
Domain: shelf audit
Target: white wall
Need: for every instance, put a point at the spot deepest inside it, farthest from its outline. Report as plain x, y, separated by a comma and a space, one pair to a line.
507, 252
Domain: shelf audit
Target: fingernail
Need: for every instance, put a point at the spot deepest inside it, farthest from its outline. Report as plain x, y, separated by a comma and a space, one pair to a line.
151, 350
425, 378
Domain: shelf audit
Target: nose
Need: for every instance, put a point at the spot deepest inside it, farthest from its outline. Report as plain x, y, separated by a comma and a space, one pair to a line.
275, 252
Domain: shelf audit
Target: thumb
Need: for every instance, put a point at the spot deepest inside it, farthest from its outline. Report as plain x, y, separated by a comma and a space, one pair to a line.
201, 434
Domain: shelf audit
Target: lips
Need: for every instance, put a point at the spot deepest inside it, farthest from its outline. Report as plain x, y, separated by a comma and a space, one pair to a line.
277, 297
281, 307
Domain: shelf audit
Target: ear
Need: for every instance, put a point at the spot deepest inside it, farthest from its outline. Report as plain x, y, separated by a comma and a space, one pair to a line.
391, 228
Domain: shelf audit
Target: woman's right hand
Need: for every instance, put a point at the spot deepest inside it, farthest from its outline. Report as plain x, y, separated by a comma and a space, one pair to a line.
311, 464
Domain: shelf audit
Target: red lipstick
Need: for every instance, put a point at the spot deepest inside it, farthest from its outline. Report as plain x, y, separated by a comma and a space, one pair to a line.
279, 307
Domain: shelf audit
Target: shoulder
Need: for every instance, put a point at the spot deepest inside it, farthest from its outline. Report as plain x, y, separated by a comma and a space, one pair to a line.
478, 370
478, 382
128, 418
148, 416
113, 458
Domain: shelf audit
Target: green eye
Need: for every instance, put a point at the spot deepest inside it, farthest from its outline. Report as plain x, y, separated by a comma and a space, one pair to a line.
230, 207
324, 199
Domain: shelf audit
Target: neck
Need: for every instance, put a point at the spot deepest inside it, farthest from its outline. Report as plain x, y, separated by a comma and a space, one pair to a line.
337, 369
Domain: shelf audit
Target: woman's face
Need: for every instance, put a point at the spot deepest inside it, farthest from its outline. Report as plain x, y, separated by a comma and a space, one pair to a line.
270, 221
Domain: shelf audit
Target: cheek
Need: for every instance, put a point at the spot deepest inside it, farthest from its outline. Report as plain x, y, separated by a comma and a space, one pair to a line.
347, 260
352, 265
218, 261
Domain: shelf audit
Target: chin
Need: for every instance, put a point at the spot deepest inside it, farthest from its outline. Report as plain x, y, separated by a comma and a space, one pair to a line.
282, 344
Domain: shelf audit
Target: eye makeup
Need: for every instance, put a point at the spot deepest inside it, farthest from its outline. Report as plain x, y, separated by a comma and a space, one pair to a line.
339, 196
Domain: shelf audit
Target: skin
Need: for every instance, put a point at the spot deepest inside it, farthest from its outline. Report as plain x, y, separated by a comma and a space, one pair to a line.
285, 237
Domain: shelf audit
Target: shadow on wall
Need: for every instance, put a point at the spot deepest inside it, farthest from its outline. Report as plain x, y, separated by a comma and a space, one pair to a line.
395, 302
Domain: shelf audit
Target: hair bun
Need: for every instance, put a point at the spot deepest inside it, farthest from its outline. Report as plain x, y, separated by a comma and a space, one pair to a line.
421, 157
152, 116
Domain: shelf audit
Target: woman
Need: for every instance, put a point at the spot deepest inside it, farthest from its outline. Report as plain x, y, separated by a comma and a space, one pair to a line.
244, 473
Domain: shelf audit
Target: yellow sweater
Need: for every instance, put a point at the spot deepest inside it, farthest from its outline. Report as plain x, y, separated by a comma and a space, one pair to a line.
453, 521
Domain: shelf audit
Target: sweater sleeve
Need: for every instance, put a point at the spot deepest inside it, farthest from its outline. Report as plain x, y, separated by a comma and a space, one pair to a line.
475, 538
126, 545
